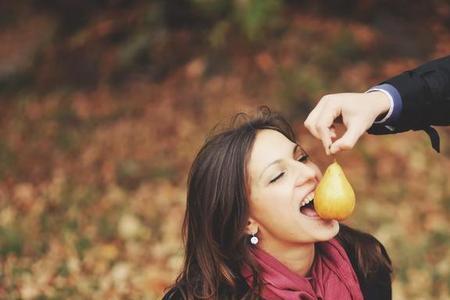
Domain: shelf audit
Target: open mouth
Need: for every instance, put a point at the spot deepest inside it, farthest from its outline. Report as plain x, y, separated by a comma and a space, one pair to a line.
307, 206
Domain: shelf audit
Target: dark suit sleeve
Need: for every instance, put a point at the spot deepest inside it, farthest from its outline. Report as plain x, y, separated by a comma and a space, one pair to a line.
425, 93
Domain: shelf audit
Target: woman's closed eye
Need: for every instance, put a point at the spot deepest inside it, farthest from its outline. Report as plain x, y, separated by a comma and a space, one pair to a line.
276, 178
303, 159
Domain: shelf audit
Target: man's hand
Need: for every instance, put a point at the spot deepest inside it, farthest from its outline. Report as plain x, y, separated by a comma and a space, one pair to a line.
358, 112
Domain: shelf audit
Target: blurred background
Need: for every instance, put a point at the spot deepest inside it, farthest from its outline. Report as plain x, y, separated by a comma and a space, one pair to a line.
104, 104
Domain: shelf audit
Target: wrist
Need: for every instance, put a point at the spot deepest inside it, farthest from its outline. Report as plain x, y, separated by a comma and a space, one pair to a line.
381, 103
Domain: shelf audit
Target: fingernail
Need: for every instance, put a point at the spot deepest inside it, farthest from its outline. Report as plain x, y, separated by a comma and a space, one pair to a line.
331, 150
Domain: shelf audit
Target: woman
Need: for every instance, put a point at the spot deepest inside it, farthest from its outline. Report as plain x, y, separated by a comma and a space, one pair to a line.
251, 231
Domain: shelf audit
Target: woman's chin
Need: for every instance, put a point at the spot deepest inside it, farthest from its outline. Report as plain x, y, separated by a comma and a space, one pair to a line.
326, 231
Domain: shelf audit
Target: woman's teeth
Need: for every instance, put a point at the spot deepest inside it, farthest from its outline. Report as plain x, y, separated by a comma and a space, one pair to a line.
307, 199
307, 206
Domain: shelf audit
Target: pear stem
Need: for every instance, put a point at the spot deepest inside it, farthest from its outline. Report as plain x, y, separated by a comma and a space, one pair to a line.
334, 157
332, 154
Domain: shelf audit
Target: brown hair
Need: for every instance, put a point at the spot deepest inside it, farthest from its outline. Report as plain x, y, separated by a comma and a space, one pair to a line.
217, 212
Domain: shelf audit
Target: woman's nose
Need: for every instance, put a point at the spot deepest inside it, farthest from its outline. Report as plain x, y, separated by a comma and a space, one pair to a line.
304, 174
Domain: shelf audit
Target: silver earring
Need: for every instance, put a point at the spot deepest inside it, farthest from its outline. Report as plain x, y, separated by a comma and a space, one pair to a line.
254, 239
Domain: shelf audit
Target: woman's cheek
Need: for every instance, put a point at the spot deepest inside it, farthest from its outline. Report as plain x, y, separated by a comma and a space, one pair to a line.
286, 189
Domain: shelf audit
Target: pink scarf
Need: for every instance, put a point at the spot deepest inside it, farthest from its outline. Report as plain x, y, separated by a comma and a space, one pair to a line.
332, 276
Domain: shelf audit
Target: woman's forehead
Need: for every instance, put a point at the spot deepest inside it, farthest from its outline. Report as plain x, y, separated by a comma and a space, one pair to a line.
269, 139
269, 145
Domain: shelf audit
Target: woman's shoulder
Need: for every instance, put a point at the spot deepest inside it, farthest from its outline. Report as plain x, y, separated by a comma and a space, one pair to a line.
370, 261
241, 288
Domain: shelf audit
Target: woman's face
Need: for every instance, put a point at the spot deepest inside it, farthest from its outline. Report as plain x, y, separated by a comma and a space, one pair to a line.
281, 177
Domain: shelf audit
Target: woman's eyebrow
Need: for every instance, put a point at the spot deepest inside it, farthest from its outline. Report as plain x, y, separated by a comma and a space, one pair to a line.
296, 147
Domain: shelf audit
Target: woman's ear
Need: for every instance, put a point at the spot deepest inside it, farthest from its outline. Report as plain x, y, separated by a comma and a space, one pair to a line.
252, 227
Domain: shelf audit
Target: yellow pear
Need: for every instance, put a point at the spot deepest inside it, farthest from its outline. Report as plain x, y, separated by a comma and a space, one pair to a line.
334, 197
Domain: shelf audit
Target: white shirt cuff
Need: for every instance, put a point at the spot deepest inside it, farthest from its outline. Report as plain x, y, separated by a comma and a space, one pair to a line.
391, 108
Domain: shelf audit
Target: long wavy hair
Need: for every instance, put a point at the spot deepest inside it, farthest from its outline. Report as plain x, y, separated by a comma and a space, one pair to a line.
217, 213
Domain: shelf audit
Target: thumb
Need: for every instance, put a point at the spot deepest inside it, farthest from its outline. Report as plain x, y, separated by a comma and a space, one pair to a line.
347, 141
